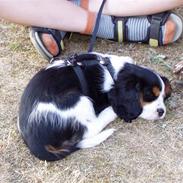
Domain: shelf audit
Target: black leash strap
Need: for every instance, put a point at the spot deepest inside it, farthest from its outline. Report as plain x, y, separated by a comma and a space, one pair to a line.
93, 38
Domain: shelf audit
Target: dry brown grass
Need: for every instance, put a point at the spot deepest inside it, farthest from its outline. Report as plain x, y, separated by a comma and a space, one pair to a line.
139, 152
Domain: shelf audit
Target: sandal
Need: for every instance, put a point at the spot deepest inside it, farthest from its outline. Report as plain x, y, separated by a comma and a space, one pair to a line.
48, 42
157, 29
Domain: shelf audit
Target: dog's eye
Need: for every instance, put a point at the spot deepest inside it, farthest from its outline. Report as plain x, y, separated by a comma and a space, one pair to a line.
148, 95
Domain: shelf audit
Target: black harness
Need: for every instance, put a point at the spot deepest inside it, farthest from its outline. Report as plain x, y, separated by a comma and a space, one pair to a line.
78, 61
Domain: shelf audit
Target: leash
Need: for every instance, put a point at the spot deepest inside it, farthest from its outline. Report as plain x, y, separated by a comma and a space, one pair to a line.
93, 38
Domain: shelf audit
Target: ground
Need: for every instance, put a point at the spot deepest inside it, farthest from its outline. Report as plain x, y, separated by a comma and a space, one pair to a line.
140, 152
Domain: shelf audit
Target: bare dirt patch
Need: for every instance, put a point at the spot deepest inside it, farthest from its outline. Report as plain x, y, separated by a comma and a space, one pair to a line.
139, 152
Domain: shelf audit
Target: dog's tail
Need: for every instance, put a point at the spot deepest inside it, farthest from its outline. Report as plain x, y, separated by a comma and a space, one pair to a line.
53, 138
57, 153
73, 145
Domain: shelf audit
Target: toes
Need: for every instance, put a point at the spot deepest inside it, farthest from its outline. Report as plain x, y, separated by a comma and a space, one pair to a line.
50, 44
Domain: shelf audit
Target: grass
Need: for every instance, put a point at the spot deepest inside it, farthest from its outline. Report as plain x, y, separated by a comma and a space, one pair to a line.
141, 152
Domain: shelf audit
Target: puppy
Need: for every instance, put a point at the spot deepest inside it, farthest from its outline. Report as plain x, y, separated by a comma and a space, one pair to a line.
56, 116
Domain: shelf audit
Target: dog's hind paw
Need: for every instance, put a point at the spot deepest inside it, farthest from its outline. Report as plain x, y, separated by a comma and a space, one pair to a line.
97, 139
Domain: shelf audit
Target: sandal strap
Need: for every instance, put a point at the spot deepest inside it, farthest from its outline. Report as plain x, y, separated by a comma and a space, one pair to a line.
155, 34
120, 31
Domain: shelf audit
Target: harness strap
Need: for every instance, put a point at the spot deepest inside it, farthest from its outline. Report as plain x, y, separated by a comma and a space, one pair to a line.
81, 78
93, 38
79, 62
90, 59
108, 64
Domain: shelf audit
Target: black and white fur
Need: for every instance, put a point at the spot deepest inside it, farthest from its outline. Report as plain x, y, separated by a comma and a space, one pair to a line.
56, 119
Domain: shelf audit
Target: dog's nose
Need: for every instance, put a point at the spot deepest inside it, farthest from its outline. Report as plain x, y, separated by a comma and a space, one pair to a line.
160, 112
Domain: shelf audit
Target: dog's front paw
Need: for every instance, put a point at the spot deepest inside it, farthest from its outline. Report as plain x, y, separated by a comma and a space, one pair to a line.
109, 132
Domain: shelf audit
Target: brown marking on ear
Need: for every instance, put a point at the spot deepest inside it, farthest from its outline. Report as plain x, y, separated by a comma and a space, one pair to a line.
56, 150
168, 88
156, 91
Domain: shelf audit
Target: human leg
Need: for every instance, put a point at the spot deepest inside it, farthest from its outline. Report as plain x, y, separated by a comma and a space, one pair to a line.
132, 7
56, 14
62, 19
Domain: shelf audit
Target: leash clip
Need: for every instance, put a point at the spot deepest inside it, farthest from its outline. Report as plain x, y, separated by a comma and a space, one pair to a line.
71, 60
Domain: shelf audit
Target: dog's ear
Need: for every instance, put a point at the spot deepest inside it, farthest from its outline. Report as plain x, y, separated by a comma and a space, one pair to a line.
125, 103
125, 95
168, 88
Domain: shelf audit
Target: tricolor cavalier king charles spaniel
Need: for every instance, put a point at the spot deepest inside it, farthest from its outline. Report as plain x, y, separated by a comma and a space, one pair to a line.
56, 118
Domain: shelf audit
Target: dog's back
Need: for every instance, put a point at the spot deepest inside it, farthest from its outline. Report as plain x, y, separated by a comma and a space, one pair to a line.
48, 136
